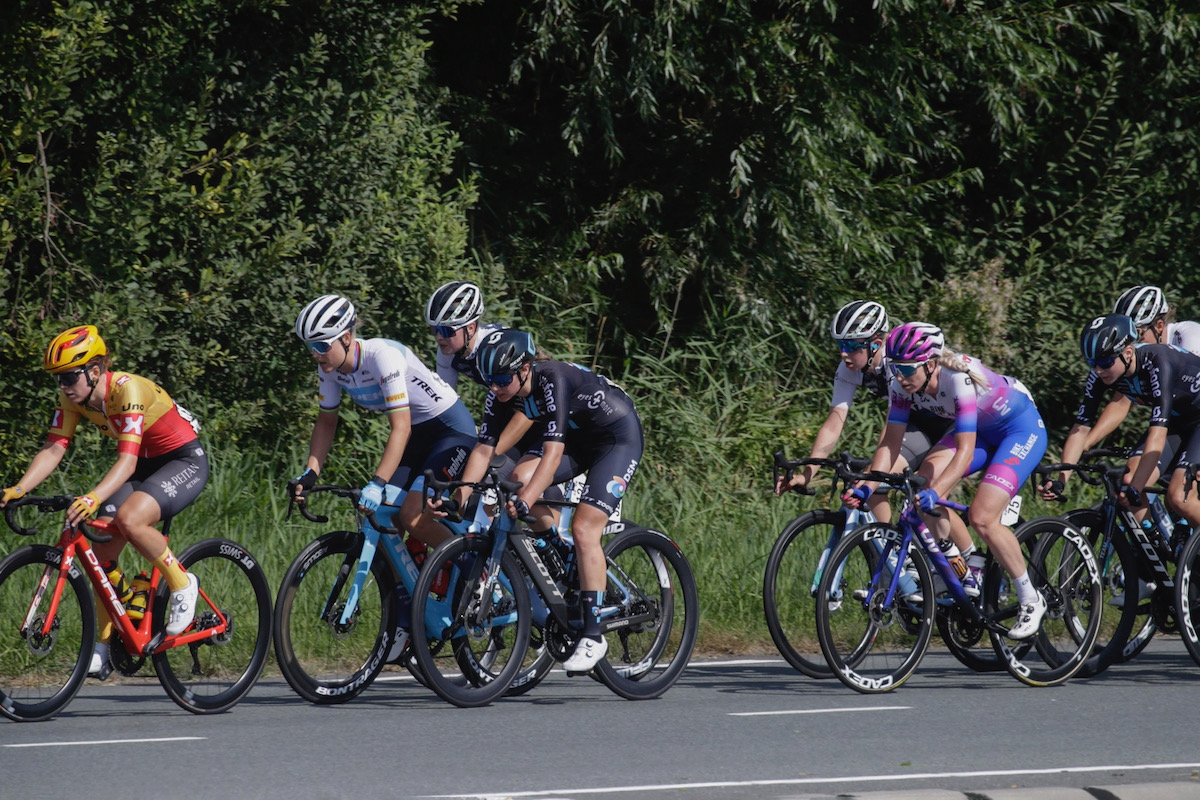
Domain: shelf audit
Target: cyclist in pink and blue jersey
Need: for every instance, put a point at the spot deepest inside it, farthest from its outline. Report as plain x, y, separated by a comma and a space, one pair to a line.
997, 428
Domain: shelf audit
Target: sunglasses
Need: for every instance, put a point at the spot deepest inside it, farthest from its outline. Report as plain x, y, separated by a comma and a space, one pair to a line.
498, 380
852, 345
321, 348
66, 379
904, 370
1101, 363
443, 331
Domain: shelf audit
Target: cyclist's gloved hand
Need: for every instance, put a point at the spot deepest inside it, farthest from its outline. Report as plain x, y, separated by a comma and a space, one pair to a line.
520, 508
85, 506
371, 496
927, 500
1132, 496
306, 480
856, 496
11, 493
1052, 490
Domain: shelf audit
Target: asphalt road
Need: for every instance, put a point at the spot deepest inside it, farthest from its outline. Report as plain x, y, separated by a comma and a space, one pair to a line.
735, 728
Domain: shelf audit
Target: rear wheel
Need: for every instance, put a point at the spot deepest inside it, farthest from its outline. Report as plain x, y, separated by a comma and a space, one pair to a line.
1187, 595
41, 673
652, 599
212, 674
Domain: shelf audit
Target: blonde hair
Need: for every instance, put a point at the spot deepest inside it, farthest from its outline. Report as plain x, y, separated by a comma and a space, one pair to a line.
952, 360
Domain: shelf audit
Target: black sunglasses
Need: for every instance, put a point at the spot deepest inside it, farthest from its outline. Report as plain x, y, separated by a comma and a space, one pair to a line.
66, 379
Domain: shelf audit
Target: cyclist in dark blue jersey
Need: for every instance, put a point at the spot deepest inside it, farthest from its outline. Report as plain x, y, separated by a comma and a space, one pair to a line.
1160, 376
590, 425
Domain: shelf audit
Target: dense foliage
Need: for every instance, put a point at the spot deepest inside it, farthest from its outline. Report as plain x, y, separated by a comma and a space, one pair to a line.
678, 192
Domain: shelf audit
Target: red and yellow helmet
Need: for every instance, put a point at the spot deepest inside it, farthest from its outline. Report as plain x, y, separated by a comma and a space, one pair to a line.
73, 348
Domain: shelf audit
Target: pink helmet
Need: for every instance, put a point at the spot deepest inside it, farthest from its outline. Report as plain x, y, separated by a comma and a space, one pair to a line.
914, 342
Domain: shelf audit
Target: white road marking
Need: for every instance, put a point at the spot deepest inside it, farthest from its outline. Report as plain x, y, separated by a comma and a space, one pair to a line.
109, 741
816, 711
802, 781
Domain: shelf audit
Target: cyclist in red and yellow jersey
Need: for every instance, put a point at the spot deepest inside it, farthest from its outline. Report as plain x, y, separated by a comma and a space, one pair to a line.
160, 467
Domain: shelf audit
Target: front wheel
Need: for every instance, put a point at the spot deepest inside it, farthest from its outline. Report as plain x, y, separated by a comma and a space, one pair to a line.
212, 674
327, 656
1063, 568
651, 599
872, 644
790, 585
41, 672
480, 622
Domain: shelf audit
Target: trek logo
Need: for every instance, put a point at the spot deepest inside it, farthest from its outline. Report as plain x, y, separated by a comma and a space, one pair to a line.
433, 395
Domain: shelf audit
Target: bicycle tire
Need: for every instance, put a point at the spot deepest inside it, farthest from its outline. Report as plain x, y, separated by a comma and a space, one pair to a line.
1063, 568
870, 647
39, 677
538, 664
789, 604
648, 574
451, 627
212, 675
324, 661
1187, 595
1116, 635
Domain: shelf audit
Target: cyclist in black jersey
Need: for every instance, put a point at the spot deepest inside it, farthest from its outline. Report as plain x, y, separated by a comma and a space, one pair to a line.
1160, 376
590, 425
859, 327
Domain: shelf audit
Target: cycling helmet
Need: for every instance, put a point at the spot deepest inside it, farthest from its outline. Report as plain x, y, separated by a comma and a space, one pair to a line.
860, 319
1107, 337
73, 348
455, 305
325, 318
503, 352
915, 342
1143, 304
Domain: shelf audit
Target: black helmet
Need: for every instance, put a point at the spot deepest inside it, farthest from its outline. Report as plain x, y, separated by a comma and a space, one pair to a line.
1107, 337
503, 352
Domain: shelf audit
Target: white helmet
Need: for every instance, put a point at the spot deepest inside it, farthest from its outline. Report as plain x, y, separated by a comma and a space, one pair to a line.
455, 305
1142, 304
860, 319
325, 318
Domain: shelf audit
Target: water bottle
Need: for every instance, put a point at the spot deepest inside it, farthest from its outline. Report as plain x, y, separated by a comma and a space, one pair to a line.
1163, 518
549, 554
140, 597
954, 556
117, 578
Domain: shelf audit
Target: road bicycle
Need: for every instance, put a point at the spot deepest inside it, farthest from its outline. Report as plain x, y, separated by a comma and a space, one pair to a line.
1131, 555
650, 610
875, 637
46, 651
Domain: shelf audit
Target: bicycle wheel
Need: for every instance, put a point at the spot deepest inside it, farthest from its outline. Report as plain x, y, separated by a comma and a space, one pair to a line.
1116, 559
651, 585
323, 659
537, 665
1063, 568
1187, 595
789, 588
871, 645
211, 675
492, 643
40, 674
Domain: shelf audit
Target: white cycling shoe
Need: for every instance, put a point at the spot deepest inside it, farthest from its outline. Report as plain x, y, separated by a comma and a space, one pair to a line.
587, 653
99, 667
1029, 619
183, 606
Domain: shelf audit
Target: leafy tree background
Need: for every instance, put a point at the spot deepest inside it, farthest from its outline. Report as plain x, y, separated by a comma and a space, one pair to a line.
678, 193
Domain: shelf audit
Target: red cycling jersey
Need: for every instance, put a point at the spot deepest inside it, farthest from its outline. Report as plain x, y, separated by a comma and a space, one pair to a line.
137, 413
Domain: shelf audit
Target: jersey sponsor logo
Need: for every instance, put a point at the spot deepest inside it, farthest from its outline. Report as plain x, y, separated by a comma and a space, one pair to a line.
1020, 451
131, 423
616, 487
391, 398
124, 379
56, 420
429, 390
133, 407
392, 376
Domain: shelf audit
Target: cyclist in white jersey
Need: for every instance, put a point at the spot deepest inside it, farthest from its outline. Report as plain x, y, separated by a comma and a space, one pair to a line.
1153, 319
430, 426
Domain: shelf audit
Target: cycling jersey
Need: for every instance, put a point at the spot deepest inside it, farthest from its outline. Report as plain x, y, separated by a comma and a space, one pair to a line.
1010, 434
137, 413
1166, 379
388, 377
923, 430
846, 382
449, 367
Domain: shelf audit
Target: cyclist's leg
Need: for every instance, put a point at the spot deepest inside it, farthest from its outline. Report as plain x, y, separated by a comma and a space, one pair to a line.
1183, 499
568, 468
446, 456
